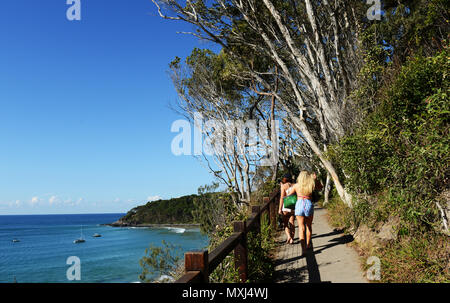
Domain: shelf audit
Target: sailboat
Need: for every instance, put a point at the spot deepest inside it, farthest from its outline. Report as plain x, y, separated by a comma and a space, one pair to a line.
80, 239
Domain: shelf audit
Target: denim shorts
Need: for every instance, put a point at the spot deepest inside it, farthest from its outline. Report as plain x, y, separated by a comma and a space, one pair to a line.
304, 208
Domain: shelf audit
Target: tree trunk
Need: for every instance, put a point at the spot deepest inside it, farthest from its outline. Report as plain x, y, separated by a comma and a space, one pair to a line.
346, 197
272, 119
275, 172
327, 189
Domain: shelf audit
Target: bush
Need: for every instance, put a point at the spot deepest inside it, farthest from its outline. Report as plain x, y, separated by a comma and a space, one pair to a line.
260, 246
397, 164
216, 212
160, 264
418, 259
402, 150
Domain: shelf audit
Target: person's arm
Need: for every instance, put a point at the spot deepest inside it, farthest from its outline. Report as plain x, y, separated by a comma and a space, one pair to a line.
282, 195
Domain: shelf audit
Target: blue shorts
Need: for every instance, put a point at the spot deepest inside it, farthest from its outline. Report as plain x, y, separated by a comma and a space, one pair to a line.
304, 208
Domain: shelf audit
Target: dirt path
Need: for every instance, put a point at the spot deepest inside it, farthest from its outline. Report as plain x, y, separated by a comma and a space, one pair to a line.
331, 260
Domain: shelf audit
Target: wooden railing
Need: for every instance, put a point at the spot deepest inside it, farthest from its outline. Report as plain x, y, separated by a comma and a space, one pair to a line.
198, 265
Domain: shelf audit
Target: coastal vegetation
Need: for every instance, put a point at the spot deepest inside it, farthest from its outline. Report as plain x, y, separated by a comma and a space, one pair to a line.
396, 160
160, 263
362, 101
397, 163
215, 212
171, 211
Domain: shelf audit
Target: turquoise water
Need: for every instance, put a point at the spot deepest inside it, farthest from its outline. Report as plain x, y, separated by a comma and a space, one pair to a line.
46, 241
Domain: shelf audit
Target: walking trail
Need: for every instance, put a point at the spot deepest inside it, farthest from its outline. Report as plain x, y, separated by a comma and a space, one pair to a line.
330, 261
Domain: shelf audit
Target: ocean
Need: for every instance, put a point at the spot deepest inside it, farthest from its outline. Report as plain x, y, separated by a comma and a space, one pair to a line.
46, 242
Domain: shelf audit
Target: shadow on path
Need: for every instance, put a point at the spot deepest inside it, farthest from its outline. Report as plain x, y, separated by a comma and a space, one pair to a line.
297, 268
333, 233
292, 275
299, 274
336, 241
313, 268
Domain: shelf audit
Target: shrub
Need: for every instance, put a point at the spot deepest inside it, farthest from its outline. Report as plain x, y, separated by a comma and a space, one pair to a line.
260, 246
397, 164
160, 262
403, 148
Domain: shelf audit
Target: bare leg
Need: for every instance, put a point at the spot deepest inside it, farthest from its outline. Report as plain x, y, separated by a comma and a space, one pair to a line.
292, 225
308, 221
287, 230
301, 232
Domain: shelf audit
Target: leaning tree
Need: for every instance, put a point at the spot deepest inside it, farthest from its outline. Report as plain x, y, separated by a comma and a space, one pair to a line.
314, 46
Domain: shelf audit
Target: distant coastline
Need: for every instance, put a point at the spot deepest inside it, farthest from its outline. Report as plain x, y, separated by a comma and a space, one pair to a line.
175, 212
125, 224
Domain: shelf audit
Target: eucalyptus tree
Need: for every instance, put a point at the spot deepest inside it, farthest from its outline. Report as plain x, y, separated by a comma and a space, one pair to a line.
313, 44
238, 130
216, 88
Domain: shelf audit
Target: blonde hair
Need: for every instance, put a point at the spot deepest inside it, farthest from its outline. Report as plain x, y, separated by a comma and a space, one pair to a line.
306, 183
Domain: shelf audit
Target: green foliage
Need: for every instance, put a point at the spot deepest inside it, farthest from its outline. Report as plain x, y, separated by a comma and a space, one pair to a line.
225, 272
411, 26
266, 189
397, 164
172, 211
371, 75
340, 214
213, 210
216, 213
403, 148
218, 68
160, 261
418, 259
407, 28
260, 246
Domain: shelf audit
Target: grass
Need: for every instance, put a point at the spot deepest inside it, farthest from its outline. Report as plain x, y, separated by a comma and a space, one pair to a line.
423, 257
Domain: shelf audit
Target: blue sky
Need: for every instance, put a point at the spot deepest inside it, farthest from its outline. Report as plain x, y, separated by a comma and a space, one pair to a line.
84, 116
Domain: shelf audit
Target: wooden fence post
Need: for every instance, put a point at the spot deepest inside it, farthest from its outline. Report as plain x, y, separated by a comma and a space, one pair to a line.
197, 261
240, 252
268, 209
255, 212
273, 209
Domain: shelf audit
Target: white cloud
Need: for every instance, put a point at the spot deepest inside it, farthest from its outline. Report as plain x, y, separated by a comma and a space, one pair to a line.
69, 202
53, 200
34, 200
16, 203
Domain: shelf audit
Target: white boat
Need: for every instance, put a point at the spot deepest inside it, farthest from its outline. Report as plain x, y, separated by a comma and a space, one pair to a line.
16, 240
81, 238
96, 235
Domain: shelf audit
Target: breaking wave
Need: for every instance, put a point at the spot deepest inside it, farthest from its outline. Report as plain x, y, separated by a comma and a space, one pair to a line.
177, 230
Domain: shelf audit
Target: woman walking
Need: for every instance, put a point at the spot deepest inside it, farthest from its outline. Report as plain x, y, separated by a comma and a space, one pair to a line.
304, 208
287, 213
